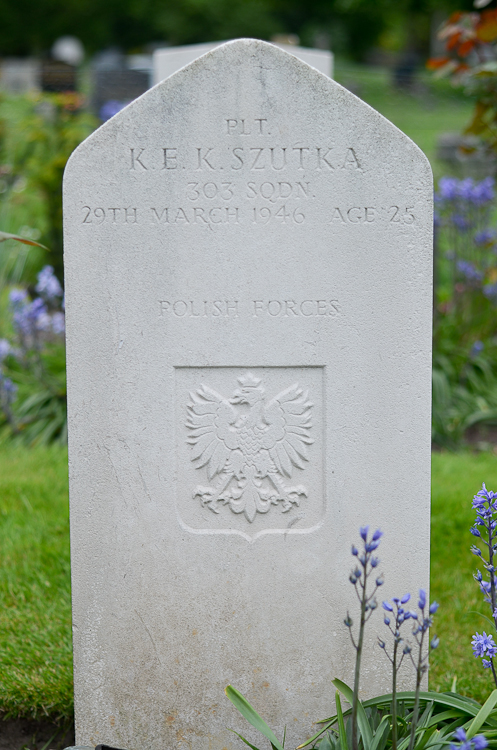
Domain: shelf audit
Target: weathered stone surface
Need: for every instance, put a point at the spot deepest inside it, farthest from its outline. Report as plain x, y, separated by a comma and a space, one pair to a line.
248, 280
168, 61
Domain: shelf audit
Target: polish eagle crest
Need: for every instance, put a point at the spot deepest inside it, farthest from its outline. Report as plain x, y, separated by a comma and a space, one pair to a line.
249, 446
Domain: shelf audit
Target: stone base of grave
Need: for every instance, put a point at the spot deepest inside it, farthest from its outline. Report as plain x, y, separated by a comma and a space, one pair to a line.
20, 733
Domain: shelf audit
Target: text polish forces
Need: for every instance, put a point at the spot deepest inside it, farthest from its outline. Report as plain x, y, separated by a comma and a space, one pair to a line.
273, 308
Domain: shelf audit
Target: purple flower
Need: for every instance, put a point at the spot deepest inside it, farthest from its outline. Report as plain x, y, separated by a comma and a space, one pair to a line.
469, 271
490, 291
48, 284
363, 531
433, 607
483, 192
5, 349
486, 237
422, 598
405, 598
476, 349
387, 606
483, 645
479, 742
111, 108
17, 296
459, 221
58, 322
447, 189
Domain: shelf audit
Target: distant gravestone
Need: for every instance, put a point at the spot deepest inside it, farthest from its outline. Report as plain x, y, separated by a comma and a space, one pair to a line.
19, 75
168, 61
248, 281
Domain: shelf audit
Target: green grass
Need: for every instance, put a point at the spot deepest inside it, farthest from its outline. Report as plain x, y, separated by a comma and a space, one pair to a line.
435, 107
35, 631
35, 606
455, 479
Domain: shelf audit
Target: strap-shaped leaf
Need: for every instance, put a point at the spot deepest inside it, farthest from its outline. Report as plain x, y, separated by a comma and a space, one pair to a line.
6, 236
482, 715
244, 740
329, 724
251, 715
341, 725
362, 719
381, 735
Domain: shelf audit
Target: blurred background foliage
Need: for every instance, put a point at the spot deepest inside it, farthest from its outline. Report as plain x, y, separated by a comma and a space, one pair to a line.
348, 26
380, 51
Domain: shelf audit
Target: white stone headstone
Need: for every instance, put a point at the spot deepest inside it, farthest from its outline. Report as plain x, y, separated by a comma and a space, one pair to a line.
248, 288
171, 59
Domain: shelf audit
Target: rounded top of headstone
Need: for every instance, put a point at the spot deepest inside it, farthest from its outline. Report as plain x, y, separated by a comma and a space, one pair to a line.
259, 76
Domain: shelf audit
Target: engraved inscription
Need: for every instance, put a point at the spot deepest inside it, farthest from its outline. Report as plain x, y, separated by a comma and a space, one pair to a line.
257, 308
248, 447
273, 158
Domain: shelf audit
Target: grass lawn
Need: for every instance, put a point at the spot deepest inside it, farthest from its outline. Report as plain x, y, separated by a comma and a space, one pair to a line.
35, 631
435, 107
35, 606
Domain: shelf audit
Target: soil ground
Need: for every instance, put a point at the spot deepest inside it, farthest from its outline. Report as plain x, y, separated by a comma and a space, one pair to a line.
26, 734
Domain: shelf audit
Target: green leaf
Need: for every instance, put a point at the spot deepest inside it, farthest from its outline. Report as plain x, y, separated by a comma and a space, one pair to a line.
482, 714
329, 724
341, 726
6, 236
381, 734
468, 706
244, 740
444, 716
251, 715
362, 719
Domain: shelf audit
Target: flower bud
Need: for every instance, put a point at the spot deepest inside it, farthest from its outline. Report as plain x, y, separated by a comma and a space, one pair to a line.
387, 606
434, 642
380, 581
352, 579
381, 643
433, 607
348, 621
422, 598
386, 620
355, 551
374, 562
407, 649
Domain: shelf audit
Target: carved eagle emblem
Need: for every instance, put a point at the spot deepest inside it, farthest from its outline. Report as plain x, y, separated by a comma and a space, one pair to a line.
249, 446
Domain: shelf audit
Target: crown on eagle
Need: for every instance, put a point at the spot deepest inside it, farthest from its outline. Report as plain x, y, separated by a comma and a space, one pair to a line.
249, 381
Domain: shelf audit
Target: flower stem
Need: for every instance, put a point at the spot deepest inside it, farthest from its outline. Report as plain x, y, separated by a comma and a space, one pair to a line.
394, 695
357, 673
415, 713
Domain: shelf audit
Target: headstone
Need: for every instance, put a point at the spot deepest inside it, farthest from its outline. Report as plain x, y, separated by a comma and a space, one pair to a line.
168, 61
57, 76
117, 79
18, 75
248, 289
